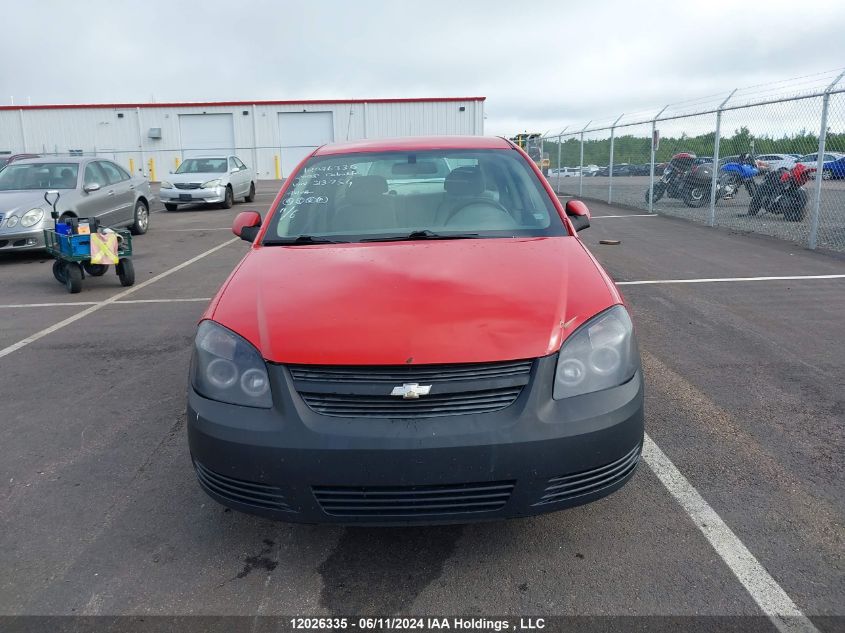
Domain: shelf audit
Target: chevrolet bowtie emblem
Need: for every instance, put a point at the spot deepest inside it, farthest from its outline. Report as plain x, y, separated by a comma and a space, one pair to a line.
412, 390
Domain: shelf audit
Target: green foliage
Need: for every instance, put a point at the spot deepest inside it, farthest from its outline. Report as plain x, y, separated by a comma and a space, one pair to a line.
637, 149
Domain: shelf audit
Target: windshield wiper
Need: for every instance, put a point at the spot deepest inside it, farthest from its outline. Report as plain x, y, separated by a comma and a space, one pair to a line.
424, 234
300, 239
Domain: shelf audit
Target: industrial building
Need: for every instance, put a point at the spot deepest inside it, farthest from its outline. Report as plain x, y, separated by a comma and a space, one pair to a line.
272, 136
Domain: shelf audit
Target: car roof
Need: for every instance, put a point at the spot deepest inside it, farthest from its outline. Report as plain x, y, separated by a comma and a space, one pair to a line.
419, 143
58, 159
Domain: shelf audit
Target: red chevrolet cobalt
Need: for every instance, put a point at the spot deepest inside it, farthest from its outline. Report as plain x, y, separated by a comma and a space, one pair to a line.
417, 335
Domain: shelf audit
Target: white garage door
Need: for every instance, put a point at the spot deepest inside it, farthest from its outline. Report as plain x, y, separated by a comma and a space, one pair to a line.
301, 133
206, 134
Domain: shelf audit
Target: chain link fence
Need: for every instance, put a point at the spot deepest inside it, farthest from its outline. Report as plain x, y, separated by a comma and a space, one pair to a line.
733, 160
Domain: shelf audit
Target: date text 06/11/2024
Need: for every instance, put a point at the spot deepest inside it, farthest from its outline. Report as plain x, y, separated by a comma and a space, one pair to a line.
417, 624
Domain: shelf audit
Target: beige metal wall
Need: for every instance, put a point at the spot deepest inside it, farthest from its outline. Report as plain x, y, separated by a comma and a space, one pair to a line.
126, 139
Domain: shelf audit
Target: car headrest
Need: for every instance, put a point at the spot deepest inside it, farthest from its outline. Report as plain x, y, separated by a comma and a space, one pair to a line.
364, 189
464, 181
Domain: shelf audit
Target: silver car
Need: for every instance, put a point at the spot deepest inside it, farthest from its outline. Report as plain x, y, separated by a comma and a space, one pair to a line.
773, 162
210, 180
90, 187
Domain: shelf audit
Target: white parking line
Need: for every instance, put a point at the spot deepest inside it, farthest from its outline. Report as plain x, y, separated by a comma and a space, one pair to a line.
631, 215
111, 300
765, 591
191, 300
48, 305
216, 228
646, 282
721, 279
93, 303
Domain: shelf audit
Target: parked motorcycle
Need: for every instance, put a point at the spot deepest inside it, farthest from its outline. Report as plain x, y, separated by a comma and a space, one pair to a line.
782, 192
732, 176
671, 183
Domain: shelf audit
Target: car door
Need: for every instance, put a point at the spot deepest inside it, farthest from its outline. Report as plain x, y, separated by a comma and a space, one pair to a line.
234, 176
120, 192
245, 172
93, 204
242, 176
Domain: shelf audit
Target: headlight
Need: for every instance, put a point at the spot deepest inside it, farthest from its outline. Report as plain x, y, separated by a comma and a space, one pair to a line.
228, 369
211, 184
12, 221
32, 217
601, 354
166, 185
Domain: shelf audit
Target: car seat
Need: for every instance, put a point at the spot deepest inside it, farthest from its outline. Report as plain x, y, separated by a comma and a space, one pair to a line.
366, 206
462, 186
67, 179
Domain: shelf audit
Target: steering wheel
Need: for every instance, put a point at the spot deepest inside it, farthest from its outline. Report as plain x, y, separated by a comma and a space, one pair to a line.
471, 201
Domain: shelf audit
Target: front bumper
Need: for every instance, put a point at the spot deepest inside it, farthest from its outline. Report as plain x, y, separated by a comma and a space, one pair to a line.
23, 240
537, 455
193, 196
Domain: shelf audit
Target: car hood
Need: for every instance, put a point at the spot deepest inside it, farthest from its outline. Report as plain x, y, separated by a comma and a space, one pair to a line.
413, 302
19, 202
196, 177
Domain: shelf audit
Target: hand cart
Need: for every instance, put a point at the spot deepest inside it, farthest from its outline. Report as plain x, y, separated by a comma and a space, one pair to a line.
73, 253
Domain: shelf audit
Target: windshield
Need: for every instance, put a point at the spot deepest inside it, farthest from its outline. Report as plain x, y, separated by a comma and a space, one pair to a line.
474, 193
23, 176
203, 166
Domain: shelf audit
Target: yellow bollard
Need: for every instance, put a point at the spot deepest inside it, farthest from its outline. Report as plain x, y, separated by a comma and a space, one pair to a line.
177, 161
152, 165
278, 167
132, 166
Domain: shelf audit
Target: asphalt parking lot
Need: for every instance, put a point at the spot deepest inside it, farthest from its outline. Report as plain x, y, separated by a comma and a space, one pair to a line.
731, 214
100, 512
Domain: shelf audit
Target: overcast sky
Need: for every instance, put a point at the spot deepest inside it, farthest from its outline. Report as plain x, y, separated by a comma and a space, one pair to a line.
541, 65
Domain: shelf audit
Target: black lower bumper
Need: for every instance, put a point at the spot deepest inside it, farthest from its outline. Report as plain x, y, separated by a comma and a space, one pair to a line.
537, 455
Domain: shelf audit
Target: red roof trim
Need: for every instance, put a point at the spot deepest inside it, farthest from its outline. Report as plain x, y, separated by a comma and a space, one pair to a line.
199, 104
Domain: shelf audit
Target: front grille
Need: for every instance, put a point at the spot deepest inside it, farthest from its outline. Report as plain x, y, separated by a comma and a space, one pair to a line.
431, 406
3, 243
407, 373
241, 491
589, 481
403, 501
188, 185
455, 389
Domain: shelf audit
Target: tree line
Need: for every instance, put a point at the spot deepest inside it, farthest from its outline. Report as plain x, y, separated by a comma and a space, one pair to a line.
637, 149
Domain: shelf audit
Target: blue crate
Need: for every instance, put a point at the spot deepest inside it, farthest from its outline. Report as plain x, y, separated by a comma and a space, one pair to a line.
76, 245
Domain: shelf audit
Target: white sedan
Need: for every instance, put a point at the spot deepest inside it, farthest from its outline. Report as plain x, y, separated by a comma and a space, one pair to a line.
564, 172
209, 180
776, 161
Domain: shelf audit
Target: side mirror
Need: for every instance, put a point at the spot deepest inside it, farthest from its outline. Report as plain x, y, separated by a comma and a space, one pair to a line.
234, 170
578, 214
246, 225
91, 187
